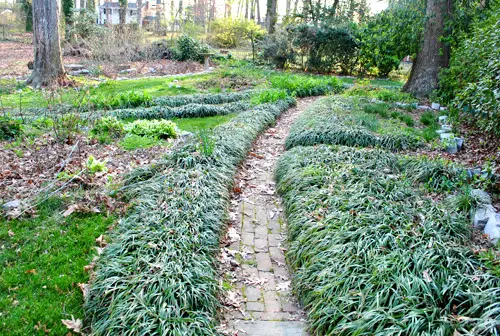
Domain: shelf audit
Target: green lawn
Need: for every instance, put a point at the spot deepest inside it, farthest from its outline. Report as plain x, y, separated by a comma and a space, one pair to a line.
196, 124
41, 264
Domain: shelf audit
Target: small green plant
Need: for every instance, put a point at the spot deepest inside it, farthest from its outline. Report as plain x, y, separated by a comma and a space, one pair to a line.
9, 128
381, 109
206, 143
67, 127
95, 166
157, 129
128, 99
491, 259
428, 118
407, 120
107, 128
43, 123
269, 96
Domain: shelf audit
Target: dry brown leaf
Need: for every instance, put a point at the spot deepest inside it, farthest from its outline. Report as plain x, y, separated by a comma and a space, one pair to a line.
74, 325
11, 234
31, 271
426, 276
101, 241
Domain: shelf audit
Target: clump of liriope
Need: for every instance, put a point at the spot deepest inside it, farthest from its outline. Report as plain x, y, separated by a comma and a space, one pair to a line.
372, 254
158, 274
342, 121
217, 98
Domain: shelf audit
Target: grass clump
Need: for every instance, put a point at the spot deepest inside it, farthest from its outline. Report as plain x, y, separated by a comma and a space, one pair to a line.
9, 128
342, 121
372, 254
158, 274
157, 129
390, 95
212, 99
303, 86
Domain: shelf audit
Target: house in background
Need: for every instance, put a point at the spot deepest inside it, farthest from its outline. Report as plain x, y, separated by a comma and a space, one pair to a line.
111, 11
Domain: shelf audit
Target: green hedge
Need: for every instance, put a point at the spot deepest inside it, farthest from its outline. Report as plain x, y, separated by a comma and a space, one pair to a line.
341, 121
372, 254
218, 98
185, 111
158, 275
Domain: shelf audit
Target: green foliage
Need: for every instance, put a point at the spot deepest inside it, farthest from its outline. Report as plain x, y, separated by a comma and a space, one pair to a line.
372, 254
232, 33
190, 49
9, 128
42, 262
428, 118
385, 94
276, 48
390, 36
158, 275
157, 129
107, 128
341, 121
220, 98
67, 10
327, 48
302, 86
268, 96
67, 126
381, 109
128, 99
95, 166
470, 82
491, 259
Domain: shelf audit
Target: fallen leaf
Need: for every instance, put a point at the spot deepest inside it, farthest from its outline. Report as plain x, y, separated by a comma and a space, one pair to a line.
426, 275
70, 210
11, 234
75, 325
31, 271
101, 241
84, 288
283, 286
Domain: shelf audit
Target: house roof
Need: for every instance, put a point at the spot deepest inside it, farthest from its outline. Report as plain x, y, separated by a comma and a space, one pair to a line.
131, 5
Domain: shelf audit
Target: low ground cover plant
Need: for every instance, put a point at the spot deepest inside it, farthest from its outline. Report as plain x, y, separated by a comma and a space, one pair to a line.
372, 253
158, 274
217, 98
390, 95
342, 121
302, 86
157, 129
9, 128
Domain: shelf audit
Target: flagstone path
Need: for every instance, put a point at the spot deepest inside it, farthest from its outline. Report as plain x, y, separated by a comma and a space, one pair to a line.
260, 302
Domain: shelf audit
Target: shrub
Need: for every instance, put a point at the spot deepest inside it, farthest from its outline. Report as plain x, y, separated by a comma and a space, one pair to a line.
232, 33
9, 128
327, 47
277, 50
372, 254
158, 129
190, 49
163, 265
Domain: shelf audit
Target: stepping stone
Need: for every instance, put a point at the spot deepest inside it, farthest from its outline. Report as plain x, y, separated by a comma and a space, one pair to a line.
272, 328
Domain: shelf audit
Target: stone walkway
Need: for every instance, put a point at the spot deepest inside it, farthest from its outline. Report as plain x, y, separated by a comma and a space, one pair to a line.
260, 302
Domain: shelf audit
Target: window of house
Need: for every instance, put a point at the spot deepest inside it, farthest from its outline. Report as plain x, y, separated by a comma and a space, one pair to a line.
104, 11
131, 13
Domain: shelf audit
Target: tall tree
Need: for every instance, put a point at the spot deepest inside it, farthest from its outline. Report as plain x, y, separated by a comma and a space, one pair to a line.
123, 11
67, 9
433, 55
139, 13
258, 11
48, 67
271, 15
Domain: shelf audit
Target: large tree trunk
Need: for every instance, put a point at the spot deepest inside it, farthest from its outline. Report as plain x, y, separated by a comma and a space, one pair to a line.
271, 15
123, 12
434, 55
48, 67
139, 14
258, 11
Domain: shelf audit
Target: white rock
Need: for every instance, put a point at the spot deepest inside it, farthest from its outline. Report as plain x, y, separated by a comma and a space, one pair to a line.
446, 128
12, 205
443, 119
444, 136
481, 196
443, 108
492, 228
423, 107
435, 106
482, 215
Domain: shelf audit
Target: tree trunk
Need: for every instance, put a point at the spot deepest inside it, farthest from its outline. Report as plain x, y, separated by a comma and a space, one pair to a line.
288, 6
123, 12
139, 14
108, 13
48, 67
295, 7
246, 9
258, 11
433, 56
271, 15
